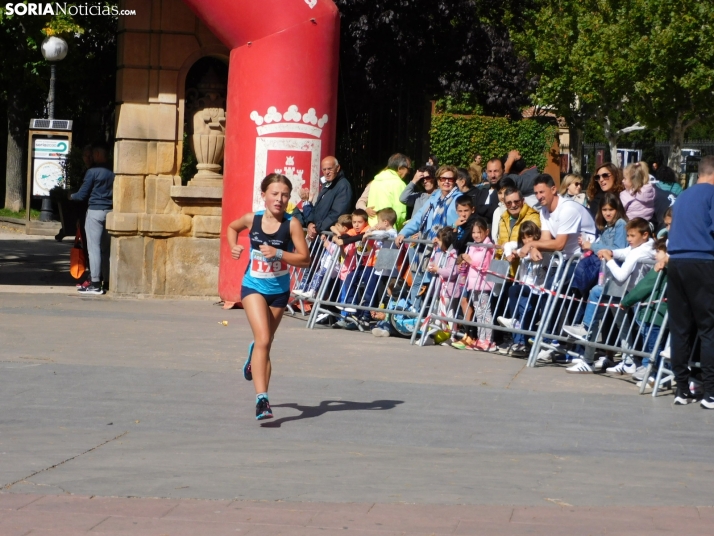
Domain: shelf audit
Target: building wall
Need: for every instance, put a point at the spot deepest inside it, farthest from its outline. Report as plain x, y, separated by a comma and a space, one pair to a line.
165, 236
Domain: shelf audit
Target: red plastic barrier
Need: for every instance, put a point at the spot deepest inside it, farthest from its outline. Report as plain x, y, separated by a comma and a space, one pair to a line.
282, 102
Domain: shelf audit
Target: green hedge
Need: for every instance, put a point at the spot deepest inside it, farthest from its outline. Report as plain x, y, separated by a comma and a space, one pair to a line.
455, 139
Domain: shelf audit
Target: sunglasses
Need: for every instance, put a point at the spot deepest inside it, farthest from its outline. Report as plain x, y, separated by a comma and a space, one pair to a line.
602, 176
577, 183
513, 203
447, 179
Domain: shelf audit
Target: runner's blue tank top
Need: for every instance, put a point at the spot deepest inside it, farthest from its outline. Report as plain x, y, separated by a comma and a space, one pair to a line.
261, 275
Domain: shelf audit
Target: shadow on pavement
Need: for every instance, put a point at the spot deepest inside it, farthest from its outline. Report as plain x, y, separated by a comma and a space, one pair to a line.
309, 412
43, 262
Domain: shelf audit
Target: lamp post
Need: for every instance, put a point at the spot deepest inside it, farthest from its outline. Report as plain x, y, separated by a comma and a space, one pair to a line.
54, 49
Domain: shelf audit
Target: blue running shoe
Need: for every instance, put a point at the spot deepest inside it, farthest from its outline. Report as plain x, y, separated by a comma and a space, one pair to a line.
247, 374
262, 409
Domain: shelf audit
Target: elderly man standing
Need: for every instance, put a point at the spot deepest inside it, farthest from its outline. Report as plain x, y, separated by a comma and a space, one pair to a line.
334, 199
98, 187
387, 187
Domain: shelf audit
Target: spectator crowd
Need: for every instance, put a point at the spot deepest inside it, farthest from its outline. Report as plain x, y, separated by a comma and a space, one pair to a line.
504, 217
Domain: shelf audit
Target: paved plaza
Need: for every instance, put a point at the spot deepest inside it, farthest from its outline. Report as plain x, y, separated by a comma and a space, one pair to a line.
130, 416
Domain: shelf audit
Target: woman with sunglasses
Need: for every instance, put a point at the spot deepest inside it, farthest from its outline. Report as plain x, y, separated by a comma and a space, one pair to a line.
571, 187
608, 178
439, 210
412, 196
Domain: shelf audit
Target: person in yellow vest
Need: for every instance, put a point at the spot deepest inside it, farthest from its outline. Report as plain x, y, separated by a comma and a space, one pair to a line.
517, 211
386, 189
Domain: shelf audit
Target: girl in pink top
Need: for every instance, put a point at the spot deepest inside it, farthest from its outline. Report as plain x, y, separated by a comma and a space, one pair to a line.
638, 197
477, 260
443, 264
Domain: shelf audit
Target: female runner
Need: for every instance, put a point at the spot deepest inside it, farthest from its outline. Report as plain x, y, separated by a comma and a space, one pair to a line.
276, 240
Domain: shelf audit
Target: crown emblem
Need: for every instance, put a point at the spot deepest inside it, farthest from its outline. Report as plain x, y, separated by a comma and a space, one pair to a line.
292, 120
311, 3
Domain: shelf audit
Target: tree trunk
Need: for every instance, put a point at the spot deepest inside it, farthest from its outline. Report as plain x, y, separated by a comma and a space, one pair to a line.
676, 140
13, 169
612, 143
576, 150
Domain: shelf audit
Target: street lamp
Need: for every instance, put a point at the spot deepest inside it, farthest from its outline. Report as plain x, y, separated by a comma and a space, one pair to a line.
54, 49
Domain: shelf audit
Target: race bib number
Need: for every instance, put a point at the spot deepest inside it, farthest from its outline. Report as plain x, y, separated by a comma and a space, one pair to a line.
261, 268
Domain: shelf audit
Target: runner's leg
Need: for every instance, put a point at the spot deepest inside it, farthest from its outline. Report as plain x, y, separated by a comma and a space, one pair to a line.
276, 315
260, 320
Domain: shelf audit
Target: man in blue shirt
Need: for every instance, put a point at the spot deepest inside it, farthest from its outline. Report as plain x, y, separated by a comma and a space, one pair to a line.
98, 187
690, 291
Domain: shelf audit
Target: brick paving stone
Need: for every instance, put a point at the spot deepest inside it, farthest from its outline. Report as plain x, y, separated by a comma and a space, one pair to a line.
14, 501
142, 526
114, 506
49, 520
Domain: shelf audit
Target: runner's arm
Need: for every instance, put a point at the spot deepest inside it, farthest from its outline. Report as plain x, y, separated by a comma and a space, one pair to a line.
234, 228
300, 257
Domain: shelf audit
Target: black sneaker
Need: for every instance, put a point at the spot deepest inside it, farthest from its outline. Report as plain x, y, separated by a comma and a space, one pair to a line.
262, 409
707, 402
683, 396
91, 289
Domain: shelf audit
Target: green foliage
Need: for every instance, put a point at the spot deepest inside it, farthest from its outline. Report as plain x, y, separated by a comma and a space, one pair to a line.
20, 215
465, 104
188, 161
456, 139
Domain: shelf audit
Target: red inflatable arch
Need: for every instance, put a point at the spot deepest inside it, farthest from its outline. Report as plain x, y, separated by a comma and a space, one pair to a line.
282, 101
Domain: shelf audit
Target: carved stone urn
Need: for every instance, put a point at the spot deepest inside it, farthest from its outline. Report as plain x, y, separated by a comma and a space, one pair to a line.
206, 104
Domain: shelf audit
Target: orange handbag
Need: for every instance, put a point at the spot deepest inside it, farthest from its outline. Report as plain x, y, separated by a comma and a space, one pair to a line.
77, 259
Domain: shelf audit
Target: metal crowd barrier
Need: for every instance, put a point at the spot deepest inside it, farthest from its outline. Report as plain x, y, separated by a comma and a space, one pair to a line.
391, 280
300, 278
613, 328
521, 298
536, 302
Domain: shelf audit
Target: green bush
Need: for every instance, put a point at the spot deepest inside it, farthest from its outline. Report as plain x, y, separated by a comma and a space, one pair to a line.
455, 139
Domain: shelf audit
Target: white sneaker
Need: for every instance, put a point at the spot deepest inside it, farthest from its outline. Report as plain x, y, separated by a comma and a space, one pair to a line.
666, 353
379, 332
545, 356
509, 323
504, 347
603, 363
664, 384
578, 331
580, 368
639, 374
623, 368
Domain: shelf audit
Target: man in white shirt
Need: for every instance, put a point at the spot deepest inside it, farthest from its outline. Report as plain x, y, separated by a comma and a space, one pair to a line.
562, 223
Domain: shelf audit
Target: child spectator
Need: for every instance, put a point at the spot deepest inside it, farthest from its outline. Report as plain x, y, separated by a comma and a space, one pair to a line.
571, 187
640, 249
524, 297
466, 213
477, 260
331, 249
638, 197
374, 238
667, 220
610, 222
352, 266
443, 263
648, 295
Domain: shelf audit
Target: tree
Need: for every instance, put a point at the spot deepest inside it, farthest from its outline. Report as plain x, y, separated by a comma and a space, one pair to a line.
85, 85
396, 55
580, 49
674, 57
